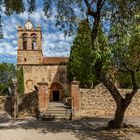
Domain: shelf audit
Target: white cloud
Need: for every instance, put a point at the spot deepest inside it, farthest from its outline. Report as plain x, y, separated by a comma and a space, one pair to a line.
57, 43
7, 48
54, 42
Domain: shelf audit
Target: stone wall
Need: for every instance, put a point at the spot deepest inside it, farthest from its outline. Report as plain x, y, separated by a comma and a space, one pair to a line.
29, 57
99, 102
6, 104
29, 105
44, 73
2, 102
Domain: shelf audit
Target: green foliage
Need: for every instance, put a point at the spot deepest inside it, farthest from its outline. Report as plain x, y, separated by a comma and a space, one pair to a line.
13, 6
129, 60
1, 31
20, 81
67, 92
125, 53
68, 13
65, 15
7, 73
125, 48
32, 5
132, 55
79, 60
123, 13
10, 7
102, 50
124, 79
119, 15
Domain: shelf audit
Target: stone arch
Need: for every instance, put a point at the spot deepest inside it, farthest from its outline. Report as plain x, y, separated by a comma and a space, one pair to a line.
34, 42
24, 41
56, 92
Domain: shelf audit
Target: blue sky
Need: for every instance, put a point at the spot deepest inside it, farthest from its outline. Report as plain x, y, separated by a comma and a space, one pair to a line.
54, 41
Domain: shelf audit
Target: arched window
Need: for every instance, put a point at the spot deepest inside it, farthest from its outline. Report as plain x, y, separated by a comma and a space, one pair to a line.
34, 37
24, 41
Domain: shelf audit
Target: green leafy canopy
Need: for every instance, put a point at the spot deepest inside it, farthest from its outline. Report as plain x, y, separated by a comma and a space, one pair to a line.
7, 73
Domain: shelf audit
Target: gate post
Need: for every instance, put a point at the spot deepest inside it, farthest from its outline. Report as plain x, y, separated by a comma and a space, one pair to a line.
75, 94
43, 96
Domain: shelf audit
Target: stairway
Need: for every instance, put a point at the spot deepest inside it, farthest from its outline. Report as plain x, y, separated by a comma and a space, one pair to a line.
57, 110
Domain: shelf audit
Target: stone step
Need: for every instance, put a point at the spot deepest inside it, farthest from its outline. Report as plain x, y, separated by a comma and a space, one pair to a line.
56, 104
51, 108
54, 107
57, 114
58, 111
56, 117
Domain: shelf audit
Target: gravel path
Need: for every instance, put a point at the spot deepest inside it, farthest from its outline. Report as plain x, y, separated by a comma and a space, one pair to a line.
85, 129
22, 134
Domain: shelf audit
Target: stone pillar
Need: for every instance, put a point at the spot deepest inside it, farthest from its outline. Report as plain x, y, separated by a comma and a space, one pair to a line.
29, 45
75, 94
43, 96
39, 38
20, 44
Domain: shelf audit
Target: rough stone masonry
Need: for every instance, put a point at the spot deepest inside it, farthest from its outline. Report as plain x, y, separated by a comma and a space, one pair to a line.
99, 102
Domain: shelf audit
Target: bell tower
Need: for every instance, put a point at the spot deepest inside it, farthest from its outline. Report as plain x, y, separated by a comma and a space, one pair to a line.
29, 44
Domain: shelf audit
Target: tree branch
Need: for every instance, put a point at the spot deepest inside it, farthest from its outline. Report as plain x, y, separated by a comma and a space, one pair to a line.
89, 8
113, 90
97, 16
100, 3
129, 96
126, 67
133, 79
87, 3
107, 83
134, 84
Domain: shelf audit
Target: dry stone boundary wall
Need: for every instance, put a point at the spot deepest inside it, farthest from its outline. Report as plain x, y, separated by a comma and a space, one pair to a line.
28, 105
99, 102
2, 102
95, 102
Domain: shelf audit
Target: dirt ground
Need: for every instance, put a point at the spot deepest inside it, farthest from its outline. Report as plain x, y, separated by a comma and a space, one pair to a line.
84, 129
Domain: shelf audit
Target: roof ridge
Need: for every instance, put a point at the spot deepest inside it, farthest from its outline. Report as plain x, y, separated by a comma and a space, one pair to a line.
55, 60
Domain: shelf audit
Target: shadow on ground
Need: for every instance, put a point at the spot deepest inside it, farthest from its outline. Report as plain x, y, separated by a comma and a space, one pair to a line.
82, 129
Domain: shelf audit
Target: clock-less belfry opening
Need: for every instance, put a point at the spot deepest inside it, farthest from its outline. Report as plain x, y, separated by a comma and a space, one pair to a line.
24, 39
34, 37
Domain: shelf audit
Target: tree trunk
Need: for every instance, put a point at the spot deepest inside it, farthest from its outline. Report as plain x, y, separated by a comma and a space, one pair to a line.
15, 107
15, 100
119, 116
119, 113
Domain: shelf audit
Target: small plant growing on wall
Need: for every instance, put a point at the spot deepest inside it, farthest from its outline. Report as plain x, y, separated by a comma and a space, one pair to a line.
66, 92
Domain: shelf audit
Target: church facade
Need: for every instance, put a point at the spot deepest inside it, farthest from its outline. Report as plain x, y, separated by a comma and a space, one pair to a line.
39, 69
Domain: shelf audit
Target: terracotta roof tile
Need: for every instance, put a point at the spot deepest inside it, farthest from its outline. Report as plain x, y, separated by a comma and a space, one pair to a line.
55, 60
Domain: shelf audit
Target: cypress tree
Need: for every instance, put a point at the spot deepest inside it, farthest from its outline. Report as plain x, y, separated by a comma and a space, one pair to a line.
20, 81
79, 60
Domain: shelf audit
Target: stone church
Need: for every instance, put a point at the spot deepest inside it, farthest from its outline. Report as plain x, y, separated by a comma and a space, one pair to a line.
38, 70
